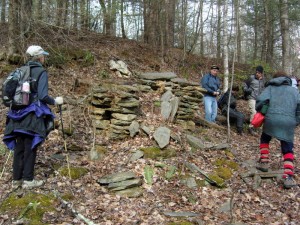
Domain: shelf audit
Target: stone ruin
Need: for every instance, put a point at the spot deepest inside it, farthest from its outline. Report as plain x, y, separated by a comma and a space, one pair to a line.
115, 107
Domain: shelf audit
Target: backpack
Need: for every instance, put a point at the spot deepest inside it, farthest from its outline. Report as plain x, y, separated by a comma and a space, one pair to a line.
16, 88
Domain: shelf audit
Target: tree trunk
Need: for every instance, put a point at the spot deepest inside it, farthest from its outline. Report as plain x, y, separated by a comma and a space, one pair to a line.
238, 31
219, 28
13, 28
75, 14
170, 22
122, 20
284, 22
3, 11
59, 12
225, 44
26, 16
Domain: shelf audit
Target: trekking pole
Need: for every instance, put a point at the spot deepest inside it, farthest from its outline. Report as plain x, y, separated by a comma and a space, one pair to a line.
5, 164
65, 142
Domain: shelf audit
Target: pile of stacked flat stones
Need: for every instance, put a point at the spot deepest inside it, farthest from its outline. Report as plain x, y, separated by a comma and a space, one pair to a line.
115, 107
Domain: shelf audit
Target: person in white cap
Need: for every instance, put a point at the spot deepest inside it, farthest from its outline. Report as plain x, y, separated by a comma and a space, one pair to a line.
28, 127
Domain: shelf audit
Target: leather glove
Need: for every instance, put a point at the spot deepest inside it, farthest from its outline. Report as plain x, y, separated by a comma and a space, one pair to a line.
59, 101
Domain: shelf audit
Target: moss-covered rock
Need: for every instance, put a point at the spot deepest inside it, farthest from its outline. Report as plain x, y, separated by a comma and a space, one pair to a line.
224, 172
75, 172
153, 152
30, 207
219, 181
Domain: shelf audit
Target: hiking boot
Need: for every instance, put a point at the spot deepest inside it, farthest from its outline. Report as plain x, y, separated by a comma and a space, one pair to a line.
262, 166
16, 184
289, 182
32, 184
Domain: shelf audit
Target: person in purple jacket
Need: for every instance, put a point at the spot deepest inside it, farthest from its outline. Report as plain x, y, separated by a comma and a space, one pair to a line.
27, 128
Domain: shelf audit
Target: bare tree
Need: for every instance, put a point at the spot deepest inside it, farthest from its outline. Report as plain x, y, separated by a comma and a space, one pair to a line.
3, 11
284, 22
225, 46
13, 28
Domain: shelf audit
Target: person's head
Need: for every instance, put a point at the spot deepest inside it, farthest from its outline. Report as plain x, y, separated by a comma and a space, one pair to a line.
235, 89
259, 72
280, 73
36, 53
214, 70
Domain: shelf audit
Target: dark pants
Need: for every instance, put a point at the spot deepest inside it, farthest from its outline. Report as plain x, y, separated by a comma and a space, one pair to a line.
235, 116
24, 158
286, 147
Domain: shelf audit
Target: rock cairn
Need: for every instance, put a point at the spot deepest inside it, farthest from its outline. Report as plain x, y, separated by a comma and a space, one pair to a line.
115, 106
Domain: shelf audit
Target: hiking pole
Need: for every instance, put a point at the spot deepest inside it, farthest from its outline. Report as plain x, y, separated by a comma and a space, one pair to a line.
5, 164
65, 142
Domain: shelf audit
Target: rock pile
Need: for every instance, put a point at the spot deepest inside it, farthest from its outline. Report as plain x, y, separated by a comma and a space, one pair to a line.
115, 106
123, 183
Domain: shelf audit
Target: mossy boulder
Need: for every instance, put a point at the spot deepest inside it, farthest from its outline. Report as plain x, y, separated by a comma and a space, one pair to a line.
30, 207
219, 181
224, 172
75, 172
228, 163
153, 152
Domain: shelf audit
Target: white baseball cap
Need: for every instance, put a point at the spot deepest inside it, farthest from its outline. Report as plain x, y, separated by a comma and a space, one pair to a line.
35, 50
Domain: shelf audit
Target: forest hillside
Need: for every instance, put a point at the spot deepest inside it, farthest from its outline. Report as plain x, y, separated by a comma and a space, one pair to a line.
203, 175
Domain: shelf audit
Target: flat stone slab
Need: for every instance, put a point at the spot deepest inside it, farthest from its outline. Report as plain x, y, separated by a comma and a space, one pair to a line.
117, 186
158, 76
116, 177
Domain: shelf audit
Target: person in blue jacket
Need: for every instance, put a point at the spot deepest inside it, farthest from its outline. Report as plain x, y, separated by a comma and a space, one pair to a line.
281, 119
27, 128
212, 84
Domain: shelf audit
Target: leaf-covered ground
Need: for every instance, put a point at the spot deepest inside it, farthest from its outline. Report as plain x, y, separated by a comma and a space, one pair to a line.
237, 203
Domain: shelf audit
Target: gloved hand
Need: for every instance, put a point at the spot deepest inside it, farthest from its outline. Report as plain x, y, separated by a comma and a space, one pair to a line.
59, 101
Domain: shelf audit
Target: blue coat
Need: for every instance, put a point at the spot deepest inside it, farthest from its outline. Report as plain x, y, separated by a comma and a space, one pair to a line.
283, 114
211, 84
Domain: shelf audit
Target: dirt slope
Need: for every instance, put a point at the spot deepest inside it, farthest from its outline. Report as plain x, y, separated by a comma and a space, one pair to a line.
268, 204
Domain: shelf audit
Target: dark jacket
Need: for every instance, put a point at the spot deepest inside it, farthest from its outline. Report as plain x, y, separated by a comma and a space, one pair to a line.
223, 101
33, 119
253, 87
283, 113
211, 84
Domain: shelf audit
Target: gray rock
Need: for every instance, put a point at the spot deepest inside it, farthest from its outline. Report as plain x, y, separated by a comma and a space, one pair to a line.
116, 177
162, 136
174, 105
117, 186
136, 155
146, 129
134, 128
166, 96
126, 117
181, 214
166, 109
158, 76
195, 142
131, 192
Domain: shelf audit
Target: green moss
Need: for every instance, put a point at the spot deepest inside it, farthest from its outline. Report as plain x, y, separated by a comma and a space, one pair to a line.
157, 103
153, 152
229, 163
224, 172
76, 172
201, 183
67, 197
217, 179
31, 206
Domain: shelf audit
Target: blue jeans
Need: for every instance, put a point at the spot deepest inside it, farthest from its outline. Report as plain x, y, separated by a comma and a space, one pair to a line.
211, 108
